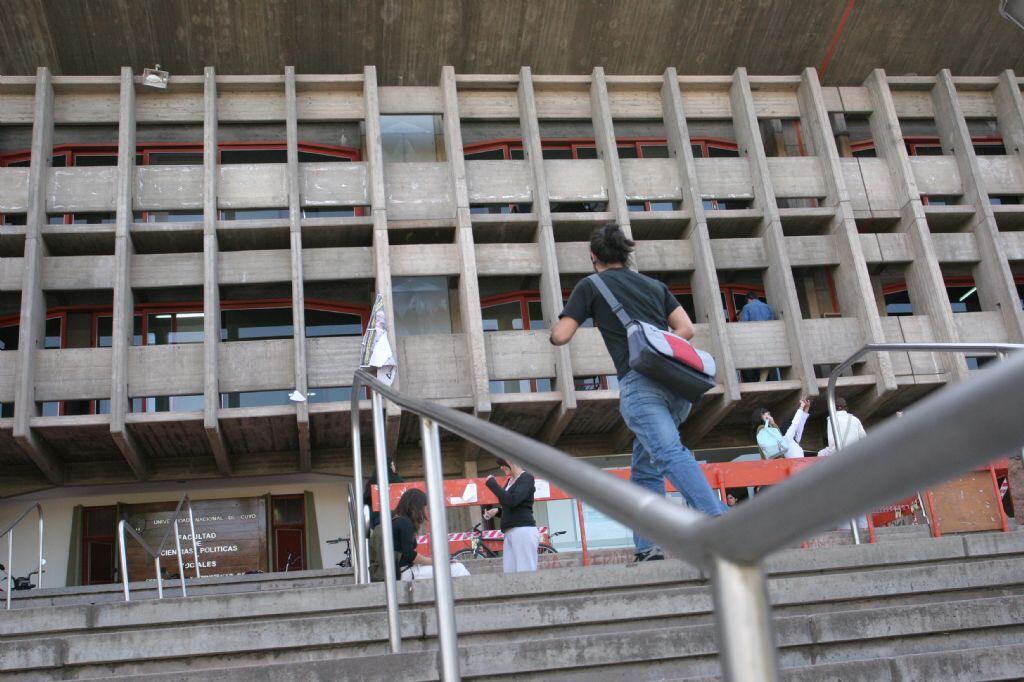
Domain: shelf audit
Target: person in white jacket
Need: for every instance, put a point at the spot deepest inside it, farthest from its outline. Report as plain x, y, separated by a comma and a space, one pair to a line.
848, 428
770, 439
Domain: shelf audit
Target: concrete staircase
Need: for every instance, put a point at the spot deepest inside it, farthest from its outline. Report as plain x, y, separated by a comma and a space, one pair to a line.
907, 608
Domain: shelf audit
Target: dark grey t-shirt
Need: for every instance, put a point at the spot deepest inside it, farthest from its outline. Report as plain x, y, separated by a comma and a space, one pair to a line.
643, 298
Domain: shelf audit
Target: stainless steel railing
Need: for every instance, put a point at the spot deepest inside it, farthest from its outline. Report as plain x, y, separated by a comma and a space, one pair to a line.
124, 527
9, 532
998, 349
951, 431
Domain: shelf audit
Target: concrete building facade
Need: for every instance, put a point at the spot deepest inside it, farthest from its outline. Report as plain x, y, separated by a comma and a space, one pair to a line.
174, 262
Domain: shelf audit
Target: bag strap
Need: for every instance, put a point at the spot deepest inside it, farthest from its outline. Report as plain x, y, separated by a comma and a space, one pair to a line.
609, 297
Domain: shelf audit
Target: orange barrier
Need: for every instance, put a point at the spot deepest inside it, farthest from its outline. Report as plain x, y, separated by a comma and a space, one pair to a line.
472, 492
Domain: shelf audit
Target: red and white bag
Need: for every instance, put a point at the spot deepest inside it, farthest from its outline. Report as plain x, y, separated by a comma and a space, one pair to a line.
660, 355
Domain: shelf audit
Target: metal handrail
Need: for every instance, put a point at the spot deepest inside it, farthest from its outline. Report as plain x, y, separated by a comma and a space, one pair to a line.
953, 430
1000, 349
123, 526
9, 532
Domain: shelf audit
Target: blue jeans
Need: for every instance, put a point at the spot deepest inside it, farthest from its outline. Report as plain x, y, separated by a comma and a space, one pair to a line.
654, 414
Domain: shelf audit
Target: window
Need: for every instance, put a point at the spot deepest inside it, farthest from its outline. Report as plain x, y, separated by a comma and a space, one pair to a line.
421, 306
410, 138
516, 311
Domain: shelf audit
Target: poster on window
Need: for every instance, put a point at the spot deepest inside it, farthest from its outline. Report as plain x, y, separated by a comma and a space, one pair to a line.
376, 348
231, 535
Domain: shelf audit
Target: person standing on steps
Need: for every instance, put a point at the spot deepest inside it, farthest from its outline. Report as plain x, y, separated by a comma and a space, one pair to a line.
517, 523
650, 411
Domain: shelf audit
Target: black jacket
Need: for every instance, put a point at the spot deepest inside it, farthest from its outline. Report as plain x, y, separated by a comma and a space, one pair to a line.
516, 502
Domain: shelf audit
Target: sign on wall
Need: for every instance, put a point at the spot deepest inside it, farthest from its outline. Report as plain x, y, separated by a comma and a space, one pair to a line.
231, 534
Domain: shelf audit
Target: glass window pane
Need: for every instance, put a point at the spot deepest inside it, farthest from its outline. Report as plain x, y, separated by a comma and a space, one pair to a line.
587, 152
408, 138
536, 315
486, 154
309, 157
289, 510
52, 339
627, 152
253, 156
557, 153
332, 323
9, 337
104, 332
421, 306
257, 323
503, 317
95, 159
659, 151
189, 328
714, 151
176, 158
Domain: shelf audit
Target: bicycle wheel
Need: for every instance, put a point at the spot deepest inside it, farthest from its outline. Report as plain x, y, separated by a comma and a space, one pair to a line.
544, 548
464, 555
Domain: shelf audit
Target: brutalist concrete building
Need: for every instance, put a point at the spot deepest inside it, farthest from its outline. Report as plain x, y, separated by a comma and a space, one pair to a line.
177, 260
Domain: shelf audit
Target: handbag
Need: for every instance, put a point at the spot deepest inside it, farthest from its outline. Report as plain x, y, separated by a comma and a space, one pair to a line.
661, 356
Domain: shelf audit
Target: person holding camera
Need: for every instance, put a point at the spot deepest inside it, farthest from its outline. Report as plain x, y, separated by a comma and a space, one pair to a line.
517, 522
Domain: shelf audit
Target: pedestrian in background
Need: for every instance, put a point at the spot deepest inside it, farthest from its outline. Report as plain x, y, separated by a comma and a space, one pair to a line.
517, 522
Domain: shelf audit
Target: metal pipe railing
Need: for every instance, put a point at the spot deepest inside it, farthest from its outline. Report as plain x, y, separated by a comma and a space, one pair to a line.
1000, 349
953, 430
123, 527
9, 532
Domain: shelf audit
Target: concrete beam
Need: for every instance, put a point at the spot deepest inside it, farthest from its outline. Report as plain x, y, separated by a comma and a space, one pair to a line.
469, 286
924, 277
856, 296
550, 281
707, 301
992, 275
211, 286
123, 317
32, 330
298, 289
778, 280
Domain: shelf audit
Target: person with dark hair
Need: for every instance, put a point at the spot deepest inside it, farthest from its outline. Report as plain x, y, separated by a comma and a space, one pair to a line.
393, 477
770, 439
651, 412
516, 512
406, 522
756, 310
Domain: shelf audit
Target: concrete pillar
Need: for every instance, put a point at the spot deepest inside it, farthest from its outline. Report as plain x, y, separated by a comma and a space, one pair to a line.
298, 289
992, 274
607, 150
123, 319
853, 283
707, 300
779, 285
211, 287
32, 329
550, 282
381, 245
469, 286
924, 277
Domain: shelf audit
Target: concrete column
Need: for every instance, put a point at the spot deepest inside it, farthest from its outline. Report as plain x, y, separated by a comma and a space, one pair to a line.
469, 286
123, 319
707, 299
779, 285
381, 253
32, 329
298, 291
607, 150
992, 274
924, 277
550, 282
853, 283
211, 287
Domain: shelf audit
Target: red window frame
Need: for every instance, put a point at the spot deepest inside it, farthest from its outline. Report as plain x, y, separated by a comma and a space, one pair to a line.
72, 152
146, 309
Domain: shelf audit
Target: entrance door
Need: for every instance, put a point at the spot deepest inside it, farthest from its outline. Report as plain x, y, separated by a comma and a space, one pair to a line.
289, 527
98, 528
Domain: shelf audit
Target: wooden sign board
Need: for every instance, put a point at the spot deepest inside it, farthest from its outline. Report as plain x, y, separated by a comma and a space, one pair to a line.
968, 503
231, 533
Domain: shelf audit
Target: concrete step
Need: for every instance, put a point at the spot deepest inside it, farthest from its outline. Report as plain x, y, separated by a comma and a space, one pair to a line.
835, 641
598, 607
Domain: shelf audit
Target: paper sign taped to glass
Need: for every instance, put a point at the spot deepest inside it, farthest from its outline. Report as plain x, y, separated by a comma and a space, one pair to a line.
376, 348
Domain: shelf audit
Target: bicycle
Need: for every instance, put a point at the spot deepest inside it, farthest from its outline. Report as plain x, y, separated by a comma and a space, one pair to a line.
347, 561
478, 550
24, 583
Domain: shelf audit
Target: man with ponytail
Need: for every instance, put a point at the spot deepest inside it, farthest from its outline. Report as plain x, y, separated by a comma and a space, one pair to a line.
650, 411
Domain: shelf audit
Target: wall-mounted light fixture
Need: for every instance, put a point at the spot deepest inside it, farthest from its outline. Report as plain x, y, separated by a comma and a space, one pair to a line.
155, 77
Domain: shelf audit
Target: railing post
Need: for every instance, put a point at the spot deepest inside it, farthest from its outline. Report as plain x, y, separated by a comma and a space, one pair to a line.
10, 565
181, 562
390, 570
159, 580
39, 577
195, 543
124, 558
360, 560
445, 601
746, 640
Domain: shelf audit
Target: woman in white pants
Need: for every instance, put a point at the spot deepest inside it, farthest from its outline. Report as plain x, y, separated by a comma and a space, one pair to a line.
517, 523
